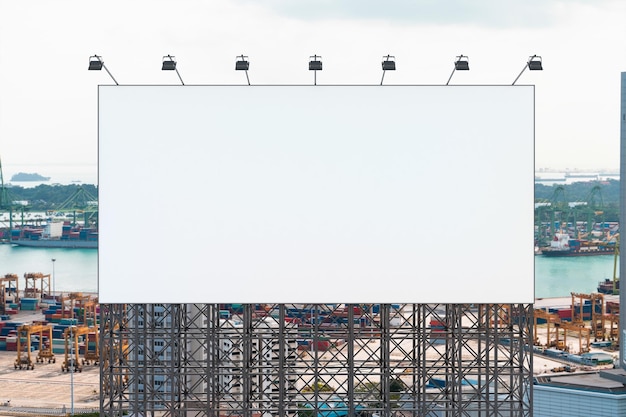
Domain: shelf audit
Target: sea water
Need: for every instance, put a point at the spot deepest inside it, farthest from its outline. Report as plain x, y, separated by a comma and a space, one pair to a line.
75, 270
558, 277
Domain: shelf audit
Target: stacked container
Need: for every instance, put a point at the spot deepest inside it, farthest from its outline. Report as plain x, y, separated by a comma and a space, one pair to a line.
29, 304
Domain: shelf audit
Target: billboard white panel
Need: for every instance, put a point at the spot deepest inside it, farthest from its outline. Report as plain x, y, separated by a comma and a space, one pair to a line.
316, 194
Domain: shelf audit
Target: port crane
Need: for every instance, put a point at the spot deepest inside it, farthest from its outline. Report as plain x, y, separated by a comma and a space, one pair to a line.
72, 354
615, 263
9, 284
552, 319
81, 202
558, 215
44, 334
612, 315
75, 300
32, 290
581, 332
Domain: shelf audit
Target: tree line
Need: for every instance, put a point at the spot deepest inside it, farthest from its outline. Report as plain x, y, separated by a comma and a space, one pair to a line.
602, 196
49, 197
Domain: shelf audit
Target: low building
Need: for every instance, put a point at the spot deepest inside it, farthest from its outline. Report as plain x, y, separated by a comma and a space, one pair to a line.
593, 394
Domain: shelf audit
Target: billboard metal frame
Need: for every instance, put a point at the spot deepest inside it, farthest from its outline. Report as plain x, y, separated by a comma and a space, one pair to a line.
295, 360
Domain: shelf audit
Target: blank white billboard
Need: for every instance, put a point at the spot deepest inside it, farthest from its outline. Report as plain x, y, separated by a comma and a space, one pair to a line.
316, 194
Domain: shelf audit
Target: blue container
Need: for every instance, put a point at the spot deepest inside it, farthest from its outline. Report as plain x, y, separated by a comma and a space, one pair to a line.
28, 303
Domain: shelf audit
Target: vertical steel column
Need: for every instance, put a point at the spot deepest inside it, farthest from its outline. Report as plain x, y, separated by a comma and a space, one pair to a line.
487, 314
213, 361
282, 361
350, 332
315, 318
246, 372
385, 379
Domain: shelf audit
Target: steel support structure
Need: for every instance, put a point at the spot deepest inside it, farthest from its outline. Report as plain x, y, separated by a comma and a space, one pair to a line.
429, 360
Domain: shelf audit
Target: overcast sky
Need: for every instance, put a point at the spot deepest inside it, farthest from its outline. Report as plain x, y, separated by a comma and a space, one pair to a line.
48, 99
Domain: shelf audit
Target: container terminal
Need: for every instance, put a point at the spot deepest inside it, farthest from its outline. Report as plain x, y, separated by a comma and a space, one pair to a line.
45, 339
47, 346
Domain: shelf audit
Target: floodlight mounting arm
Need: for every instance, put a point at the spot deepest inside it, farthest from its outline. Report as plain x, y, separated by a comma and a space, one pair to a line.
315, 57
453, 69
458, 60
530, 59
110, 75
171, 58
384, 70
520, 74
243, 58
179, 77
99, 58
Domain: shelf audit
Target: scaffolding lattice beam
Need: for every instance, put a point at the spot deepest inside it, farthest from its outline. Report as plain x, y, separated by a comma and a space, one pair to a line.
299, 360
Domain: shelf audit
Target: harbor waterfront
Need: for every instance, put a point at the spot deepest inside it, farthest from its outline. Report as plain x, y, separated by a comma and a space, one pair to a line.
559, 277
77, 270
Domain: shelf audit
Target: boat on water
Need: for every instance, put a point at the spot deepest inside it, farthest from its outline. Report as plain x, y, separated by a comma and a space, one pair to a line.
608, 286
611, 286
56, 235
57, 243
563, 246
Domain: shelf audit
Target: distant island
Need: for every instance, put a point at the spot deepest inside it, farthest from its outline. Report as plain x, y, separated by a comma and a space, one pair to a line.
22, 176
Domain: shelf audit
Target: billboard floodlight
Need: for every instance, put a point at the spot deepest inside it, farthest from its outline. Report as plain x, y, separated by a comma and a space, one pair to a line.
315, 64
96, 64
461, 64
389, 64
242, 64
169, 64
534, 64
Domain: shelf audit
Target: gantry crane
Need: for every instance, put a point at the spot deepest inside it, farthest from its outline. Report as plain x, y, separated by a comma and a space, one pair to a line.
576, 328
612, 315
32, 290
45, 345
92, 355
72, 300
90, 312
72, 354
615, 263
8, 284
598, 319
551, 319
596, 300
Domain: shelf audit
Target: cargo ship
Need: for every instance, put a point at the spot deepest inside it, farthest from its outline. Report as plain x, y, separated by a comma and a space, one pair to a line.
57, 243
56, 235
563, 245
